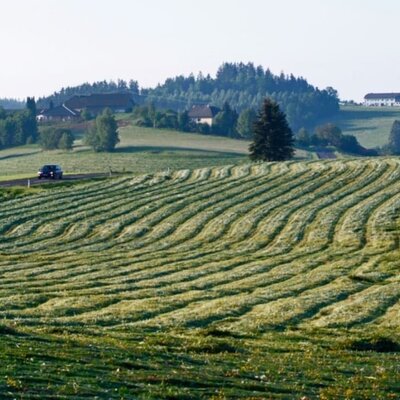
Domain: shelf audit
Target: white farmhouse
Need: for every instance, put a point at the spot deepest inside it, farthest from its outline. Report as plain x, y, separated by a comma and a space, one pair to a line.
382, 99
203, 114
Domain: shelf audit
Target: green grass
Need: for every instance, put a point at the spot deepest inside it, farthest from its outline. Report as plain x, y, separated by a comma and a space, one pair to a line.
276, 280
371, 125
141, 151
191, 365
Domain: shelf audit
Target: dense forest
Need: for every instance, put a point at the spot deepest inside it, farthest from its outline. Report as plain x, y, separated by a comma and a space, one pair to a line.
18, 127
244, 86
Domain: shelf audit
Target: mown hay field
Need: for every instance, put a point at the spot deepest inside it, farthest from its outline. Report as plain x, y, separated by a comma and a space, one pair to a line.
271, 280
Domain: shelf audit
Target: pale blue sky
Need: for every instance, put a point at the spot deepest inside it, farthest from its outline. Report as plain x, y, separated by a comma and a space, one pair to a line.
352, 45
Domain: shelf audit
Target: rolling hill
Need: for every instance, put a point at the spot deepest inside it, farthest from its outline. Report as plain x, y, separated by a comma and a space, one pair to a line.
245, 281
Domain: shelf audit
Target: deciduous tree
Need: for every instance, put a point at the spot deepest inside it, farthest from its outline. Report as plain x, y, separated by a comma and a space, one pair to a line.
103, 136
66, 140
245, 123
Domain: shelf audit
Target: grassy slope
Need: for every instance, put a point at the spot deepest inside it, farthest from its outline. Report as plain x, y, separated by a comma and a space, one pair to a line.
370, 125
141, 150
260, 281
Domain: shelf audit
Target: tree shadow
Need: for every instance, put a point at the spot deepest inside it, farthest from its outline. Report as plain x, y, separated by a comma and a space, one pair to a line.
18, 155
175, 149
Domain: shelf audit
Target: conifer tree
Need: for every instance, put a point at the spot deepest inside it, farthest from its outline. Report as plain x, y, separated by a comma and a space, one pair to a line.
272, 139
394, 138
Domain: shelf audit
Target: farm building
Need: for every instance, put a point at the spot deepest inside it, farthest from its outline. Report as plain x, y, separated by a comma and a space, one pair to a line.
203, 114
382, 99
59, 113
96, 103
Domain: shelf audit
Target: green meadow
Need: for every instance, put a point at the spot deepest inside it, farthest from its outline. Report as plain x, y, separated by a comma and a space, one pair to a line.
140, 151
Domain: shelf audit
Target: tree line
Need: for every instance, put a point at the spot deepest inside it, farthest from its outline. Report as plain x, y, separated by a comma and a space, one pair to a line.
11, 104
19, 127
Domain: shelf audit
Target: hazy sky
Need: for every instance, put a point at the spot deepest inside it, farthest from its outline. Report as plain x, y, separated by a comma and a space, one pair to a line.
352, 45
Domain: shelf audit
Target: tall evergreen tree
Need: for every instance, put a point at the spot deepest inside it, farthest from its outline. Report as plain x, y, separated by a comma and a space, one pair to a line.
31, 105
273, 139
3, 114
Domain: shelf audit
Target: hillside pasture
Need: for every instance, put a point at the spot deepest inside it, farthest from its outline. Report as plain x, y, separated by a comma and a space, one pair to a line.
141, 151
370, 125
269, 280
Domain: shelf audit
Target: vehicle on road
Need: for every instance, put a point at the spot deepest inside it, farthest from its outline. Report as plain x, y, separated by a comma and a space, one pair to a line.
51, 171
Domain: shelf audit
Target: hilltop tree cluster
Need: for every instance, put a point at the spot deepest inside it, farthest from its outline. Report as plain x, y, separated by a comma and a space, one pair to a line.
19, 127
245, 86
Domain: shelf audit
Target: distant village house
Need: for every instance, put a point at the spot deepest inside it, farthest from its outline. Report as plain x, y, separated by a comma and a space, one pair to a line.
203, 114
382, 99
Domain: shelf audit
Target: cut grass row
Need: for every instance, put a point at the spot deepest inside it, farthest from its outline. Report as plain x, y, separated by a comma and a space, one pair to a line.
283, 206
233, 263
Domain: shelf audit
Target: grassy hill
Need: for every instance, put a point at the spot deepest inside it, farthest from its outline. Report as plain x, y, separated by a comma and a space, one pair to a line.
371, 125
246, 281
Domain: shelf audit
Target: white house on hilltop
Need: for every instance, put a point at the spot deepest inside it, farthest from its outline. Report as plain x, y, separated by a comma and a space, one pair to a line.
382, 99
